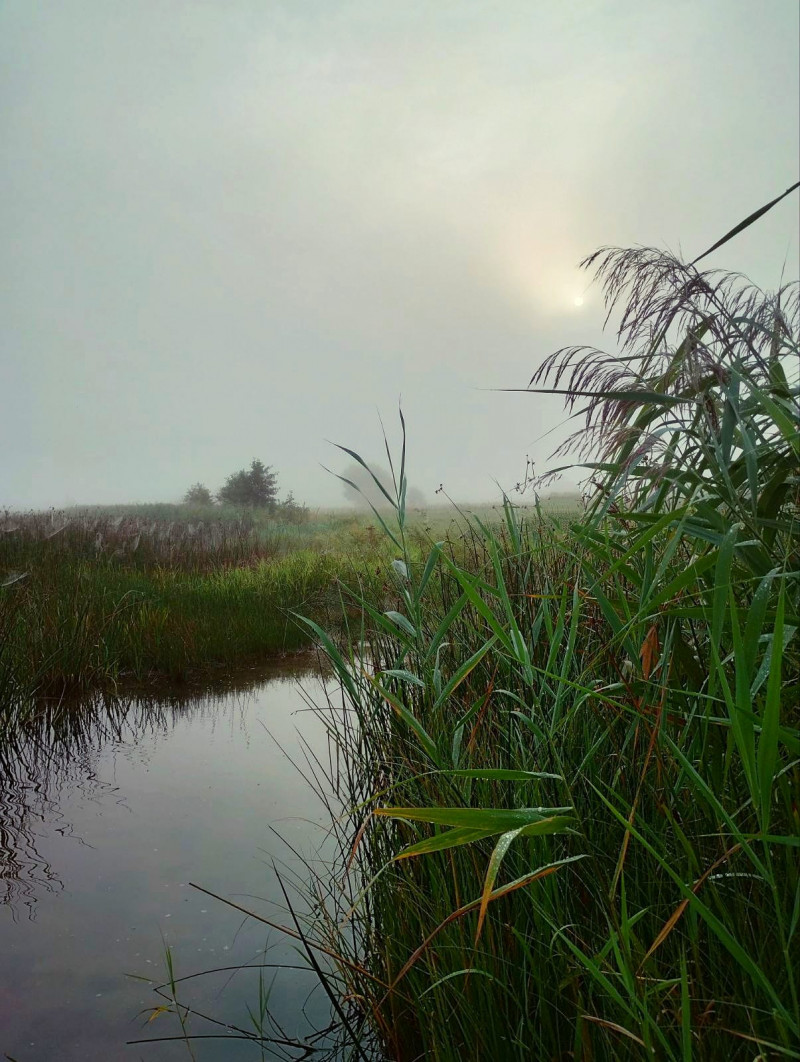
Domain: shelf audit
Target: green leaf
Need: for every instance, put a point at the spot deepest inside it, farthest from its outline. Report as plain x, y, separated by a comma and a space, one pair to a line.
645, 398
495, 820
468, 971
433, 556
739, 954
768, 741
357, 457
403, 676
442, 841
409, 719
499, 774
786, 425
468, 586
498, 855
445, 625
400, 621
333, 654
722, 582
468, 666
748, 221
375, 512
755, 619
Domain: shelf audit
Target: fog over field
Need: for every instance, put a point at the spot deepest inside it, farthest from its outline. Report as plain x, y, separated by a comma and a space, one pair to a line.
238, 230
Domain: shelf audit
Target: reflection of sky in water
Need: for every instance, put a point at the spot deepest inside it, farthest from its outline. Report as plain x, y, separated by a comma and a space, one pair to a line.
183, 792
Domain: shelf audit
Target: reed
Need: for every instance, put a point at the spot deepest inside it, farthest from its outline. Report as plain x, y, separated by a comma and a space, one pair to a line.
570, 757
91, 596
91, 599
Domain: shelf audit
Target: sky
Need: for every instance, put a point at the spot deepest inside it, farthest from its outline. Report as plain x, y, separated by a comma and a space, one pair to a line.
250, 228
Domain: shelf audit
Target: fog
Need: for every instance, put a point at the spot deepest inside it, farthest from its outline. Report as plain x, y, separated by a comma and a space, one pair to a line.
246, 229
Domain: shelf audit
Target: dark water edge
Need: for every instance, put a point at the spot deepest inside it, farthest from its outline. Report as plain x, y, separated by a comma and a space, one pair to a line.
106, 818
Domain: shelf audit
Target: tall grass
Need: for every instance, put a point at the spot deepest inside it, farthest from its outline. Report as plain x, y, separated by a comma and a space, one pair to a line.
571, 756
91, 596
89, 599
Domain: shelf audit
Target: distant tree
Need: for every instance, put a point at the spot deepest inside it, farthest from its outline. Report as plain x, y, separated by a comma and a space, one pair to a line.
236, 490
292, 511
198, 494
366, 492
256, 487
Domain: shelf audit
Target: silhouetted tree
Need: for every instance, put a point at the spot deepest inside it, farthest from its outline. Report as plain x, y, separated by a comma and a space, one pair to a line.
256, 487
198, 494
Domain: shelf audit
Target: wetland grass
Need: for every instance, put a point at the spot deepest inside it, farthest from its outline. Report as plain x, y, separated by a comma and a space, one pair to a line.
89, 597
94, 598
571, 756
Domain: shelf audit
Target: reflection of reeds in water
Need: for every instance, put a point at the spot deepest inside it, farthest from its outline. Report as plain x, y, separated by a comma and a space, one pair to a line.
315, 896
56, 752
25, 873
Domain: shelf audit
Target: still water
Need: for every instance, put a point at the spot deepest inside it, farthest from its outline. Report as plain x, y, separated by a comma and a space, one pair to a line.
104, 823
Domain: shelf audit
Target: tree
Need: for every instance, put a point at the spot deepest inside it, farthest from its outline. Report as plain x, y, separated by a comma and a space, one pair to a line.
365, 492
291, 511
256, 487
198, 494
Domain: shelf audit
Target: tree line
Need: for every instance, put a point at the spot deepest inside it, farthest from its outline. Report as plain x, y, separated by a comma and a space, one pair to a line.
255, 487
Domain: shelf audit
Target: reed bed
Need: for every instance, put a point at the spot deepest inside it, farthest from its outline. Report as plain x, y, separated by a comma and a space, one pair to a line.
90, 599
89, 596
175, 537
570, 756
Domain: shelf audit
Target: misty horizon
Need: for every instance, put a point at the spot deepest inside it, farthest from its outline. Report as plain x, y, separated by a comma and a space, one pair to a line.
243, 231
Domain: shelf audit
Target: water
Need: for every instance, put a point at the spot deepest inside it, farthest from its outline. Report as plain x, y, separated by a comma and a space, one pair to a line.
100, 836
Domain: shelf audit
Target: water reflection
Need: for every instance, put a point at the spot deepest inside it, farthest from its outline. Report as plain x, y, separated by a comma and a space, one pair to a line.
108, 809
57, 752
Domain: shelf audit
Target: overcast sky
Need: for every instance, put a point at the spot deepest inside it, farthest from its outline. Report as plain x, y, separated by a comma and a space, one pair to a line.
237, 228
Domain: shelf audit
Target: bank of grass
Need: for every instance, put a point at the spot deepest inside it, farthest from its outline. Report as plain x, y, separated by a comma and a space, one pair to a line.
95, 598
94, 625
572, 765
92, 596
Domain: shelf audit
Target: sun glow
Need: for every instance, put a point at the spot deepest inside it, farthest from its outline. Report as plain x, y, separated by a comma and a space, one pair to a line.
578, 300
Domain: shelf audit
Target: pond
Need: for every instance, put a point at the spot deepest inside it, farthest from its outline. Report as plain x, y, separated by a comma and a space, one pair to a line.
104, 823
